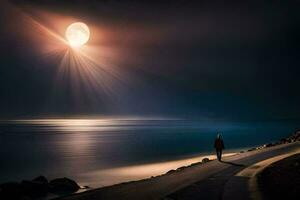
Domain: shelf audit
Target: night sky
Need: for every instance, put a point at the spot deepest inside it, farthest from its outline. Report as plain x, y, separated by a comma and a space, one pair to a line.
237, 60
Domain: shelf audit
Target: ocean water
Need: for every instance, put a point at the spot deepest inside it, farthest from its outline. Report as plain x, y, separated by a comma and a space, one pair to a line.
98, 152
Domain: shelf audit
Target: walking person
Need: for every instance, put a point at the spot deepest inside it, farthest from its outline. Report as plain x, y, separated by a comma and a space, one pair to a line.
219, 146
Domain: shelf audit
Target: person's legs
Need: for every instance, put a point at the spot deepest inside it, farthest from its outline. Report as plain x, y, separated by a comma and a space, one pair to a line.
220, 152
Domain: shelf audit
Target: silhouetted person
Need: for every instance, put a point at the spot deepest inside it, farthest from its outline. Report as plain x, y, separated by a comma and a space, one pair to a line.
219, 146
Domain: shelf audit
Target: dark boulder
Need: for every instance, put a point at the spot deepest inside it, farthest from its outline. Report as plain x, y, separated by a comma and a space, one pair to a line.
41, 179
63, 185
34, 189
205, 160
171, 171
252, 149
197, 163
181, 168
268, 145
283, 140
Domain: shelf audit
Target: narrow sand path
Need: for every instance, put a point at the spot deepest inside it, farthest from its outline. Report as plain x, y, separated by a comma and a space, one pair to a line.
205, 181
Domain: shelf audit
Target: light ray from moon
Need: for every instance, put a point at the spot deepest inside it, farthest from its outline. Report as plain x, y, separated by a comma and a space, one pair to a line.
81, 64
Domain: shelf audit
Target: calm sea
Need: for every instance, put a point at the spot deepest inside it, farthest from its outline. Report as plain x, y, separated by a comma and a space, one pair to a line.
99, 152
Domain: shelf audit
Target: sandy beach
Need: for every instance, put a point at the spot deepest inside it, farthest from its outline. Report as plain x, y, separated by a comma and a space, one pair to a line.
142, 171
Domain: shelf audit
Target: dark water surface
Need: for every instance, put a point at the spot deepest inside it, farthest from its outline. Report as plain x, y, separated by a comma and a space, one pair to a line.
86, 149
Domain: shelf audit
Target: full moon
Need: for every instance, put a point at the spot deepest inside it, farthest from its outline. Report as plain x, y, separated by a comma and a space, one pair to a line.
77, 34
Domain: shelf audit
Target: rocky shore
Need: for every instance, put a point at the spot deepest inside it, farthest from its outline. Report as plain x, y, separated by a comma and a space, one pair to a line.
37, 188
292, 138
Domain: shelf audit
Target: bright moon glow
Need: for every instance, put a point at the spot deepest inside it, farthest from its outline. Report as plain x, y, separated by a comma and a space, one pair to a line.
77, 34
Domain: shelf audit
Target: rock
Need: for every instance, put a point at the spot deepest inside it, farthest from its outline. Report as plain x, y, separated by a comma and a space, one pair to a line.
277, 143
252, 149
205, 160
297, 136
63, 185
283, 140
171, 171
268, 145
181, 168
197, 163
10, 190
41, 179
34, 189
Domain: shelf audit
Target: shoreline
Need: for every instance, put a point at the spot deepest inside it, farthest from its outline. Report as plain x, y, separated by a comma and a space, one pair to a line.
192, 161
242, 151
165, 184
150, 170
170, 165
179, 172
